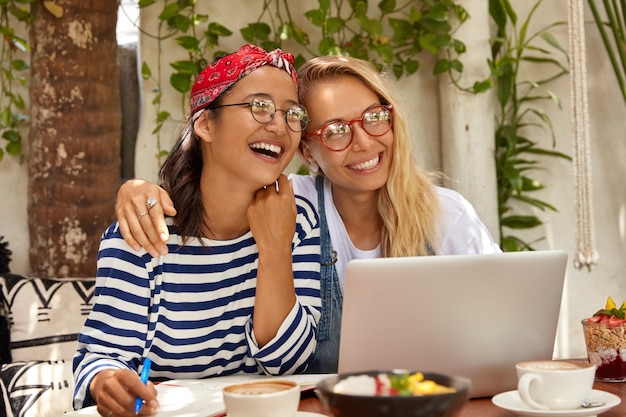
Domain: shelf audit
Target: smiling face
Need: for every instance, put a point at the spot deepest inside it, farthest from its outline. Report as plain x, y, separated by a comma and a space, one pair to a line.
364, 165
236, 147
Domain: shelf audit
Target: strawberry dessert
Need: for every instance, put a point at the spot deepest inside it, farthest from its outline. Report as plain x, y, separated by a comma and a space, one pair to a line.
605, 335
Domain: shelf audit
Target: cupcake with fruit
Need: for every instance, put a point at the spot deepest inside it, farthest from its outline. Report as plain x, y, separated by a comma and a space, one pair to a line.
605, 335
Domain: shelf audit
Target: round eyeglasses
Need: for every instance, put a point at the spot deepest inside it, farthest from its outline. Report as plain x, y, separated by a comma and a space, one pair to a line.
337, 135
263, 110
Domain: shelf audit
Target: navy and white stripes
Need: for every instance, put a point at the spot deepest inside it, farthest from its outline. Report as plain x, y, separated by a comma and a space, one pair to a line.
190, 311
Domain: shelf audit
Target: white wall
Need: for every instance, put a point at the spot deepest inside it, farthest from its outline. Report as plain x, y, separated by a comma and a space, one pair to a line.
585, 292
13, 219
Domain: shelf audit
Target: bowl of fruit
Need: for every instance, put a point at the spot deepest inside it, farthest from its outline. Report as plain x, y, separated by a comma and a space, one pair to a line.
605, 337
395, 393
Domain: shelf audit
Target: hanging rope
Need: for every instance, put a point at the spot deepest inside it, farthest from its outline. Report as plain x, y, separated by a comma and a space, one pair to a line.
586, 255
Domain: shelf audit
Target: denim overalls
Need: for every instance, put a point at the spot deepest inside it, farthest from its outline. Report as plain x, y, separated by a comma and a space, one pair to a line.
326, 354
329, 328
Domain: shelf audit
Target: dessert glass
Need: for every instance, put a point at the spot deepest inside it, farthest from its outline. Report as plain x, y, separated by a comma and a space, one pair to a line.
606, 348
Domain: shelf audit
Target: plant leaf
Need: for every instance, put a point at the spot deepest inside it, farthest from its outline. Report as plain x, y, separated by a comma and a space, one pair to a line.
53, 8
521, 222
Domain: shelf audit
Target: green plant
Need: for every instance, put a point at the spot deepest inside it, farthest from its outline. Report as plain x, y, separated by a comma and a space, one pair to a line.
519, 114
616, 23
12, 103
392, 36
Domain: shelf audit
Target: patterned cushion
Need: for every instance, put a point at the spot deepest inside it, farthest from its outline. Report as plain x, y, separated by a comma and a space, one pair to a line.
36, 389
45, 315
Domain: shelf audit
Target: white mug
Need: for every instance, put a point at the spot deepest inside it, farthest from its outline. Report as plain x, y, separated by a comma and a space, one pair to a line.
262, 398
554, 385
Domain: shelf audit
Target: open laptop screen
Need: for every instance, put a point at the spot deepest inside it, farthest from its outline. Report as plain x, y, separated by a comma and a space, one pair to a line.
468, 315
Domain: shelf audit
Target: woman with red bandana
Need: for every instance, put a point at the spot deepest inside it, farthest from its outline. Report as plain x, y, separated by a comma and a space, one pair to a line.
373, 199
238, 290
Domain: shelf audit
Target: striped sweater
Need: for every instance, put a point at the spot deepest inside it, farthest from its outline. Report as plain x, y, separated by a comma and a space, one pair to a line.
190, 311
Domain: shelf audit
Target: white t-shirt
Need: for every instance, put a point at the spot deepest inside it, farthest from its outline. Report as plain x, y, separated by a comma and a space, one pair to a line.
461, 230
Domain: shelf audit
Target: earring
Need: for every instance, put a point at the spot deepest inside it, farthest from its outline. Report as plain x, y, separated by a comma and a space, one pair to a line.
314, 168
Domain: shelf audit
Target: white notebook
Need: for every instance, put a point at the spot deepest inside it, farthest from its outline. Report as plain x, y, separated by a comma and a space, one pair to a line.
467, 315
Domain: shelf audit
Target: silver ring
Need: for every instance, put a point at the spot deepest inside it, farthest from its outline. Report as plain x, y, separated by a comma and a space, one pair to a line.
151, 202
140, 215
110, 413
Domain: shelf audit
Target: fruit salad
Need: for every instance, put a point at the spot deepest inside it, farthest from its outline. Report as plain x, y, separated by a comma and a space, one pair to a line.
390, 385
605, 335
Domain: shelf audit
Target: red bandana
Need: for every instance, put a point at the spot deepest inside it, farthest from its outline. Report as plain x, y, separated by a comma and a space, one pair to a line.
226, 71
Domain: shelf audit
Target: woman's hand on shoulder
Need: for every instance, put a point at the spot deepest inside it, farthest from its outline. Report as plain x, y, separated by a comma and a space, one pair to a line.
141, 224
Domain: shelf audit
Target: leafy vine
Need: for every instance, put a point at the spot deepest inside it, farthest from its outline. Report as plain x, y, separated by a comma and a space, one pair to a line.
12, 73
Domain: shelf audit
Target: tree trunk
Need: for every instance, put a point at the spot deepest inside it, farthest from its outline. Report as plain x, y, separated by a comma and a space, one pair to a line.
74, 138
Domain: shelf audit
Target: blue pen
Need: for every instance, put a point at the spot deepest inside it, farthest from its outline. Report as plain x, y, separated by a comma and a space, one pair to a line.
144, 380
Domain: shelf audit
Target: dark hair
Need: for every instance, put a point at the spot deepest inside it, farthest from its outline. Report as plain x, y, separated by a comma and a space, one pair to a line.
180, 177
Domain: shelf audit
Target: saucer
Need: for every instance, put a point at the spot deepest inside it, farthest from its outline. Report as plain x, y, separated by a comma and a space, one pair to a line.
511, 401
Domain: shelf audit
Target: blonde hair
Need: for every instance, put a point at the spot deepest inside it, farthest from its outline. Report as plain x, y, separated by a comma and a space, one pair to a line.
408, 203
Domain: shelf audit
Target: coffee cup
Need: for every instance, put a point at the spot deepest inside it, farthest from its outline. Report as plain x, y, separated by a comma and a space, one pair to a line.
554, 385
262, 398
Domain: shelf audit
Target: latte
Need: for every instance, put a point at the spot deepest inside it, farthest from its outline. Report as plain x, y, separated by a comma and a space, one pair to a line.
554, 385
553, 365
262, 398
259, 387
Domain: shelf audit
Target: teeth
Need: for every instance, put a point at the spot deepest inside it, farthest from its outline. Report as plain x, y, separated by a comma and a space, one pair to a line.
366, 165
266, 147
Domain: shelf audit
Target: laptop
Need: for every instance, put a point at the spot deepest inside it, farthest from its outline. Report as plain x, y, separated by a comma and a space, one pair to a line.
468, 315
